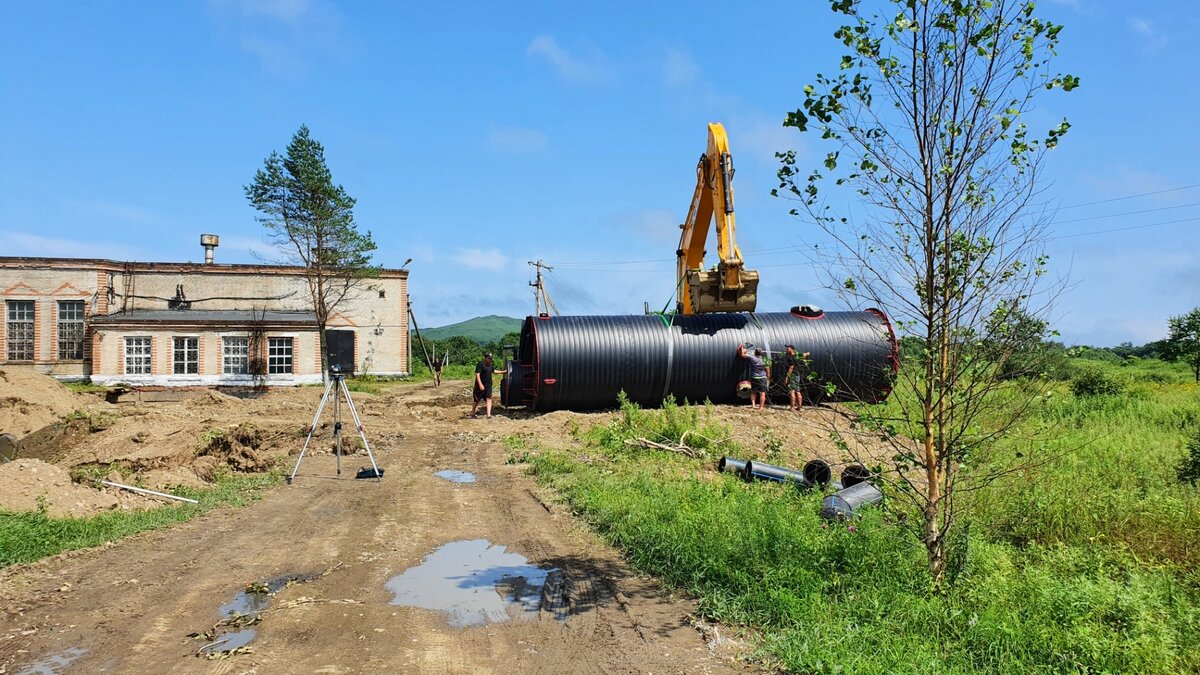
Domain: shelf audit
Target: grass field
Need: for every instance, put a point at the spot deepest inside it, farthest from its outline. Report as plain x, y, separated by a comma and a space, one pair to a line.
25, 537
1084, 564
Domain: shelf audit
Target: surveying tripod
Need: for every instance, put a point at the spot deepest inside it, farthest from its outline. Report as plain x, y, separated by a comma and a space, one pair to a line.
337, 389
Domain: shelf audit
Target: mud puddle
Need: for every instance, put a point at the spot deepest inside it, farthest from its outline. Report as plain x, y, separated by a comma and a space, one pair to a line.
54, 664
474, 582
456, 476
242, 612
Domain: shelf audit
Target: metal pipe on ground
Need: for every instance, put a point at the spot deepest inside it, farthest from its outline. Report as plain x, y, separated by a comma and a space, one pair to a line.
761, 471
732, 465
847, 502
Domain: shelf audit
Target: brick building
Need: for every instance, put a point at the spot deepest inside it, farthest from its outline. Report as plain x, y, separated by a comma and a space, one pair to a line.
188, 324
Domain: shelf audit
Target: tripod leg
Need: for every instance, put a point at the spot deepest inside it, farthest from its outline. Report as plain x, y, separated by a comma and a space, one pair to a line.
362, 434
311, 428
337, 431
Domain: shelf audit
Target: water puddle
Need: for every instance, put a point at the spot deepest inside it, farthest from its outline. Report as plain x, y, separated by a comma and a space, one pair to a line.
55, 663
474, 582
456, 476
243, 611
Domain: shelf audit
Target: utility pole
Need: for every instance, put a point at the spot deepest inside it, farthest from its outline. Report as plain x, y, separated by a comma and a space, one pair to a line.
540, 296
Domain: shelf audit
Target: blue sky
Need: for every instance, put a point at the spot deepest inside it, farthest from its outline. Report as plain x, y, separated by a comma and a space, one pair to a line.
478, 136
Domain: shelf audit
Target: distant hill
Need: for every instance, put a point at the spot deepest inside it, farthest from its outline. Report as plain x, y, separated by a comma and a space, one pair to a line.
480, 329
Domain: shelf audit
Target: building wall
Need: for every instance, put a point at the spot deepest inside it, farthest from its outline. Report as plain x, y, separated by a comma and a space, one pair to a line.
46, 288
376, 311
110, 349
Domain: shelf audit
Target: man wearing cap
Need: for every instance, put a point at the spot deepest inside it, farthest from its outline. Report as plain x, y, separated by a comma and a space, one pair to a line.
796, 367
483, 385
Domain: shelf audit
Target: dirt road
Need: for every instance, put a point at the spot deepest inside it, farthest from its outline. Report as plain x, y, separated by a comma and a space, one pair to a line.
131, 606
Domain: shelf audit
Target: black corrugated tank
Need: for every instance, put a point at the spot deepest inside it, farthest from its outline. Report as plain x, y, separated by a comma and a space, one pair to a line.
582, 362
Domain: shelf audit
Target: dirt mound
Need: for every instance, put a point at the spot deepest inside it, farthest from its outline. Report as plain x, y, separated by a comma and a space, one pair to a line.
238, 448
27, 484
30, 401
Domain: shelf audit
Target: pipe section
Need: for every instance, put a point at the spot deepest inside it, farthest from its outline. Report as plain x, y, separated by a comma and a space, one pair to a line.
817, 472
758, 470
855, 474
732, 465
584, 362
845, 503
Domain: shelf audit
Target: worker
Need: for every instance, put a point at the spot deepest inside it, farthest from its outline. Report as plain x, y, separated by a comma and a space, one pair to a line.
760, 376
483, 385
437, 371
797, 372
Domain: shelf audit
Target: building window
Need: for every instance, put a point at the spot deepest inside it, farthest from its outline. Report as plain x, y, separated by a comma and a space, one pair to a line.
236, 356
137, 356
279, 355
187, 356
20, 330
70, 330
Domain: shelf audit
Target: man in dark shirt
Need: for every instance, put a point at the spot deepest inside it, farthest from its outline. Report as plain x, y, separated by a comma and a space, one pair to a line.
437, 371
483, 385
760, 376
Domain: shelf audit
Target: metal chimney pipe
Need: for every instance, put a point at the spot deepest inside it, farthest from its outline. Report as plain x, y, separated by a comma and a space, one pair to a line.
210, 243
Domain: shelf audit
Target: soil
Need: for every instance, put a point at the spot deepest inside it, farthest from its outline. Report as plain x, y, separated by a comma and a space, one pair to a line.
130, 606
30, 401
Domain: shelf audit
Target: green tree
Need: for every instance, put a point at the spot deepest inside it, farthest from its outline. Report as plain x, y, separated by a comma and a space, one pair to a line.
1183, 340
922, 122
311, 220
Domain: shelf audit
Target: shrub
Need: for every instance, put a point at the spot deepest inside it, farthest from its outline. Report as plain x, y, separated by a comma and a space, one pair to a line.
1189, 469
1094, 381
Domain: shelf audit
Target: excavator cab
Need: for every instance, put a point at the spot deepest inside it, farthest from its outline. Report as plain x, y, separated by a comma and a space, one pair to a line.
728, 286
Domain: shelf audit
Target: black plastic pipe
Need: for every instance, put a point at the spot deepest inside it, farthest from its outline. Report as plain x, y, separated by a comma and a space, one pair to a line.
732, 465
817, 472
845, 503
584, 362
760, 471
855, 474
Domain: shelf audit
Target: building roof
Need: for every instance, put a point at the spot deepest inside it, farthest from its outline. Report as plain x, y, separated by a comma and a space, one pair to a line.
27, 262
238, 317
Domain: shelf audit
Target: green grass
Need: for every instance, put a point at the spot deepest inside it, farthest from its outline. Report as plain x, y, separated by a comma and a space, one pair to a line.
29, 536
454, 371
1083, 564
82, 387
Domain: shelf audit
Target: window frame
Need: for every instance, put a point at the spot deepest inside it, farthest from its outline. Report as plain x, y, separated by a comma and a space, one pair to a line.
15, 324
277, 360
190, 363
71, 330
227, 358
141, 360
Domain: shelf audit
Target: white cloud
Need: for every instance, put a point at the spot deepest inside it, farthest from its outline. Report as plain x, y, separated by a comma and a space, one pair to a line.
23, 244
678, 69
591, 68
1152, 37
654, 225
282, 35
290, 11
517, 140
481, 259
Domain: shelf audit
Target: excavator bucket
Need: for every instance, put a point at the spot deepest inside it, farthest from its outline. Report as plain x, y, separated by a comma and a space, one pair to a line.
708, 295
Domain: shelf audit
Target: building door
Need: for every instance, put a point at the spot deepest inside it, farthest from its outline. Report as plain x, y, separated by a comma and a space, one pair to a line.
339, 347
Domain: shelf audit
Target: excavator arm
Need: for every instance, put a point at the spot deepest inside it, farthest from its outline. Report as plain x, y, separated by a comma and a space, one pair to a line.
730, 287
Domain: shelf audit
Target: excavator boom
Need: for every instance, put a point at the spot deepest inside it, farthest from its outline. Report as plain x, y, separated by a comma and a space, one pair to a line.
729, 287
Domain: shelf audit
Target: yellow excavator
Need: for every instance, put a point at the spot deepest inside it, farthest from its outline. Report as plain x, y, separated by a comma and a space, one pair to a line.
728, 287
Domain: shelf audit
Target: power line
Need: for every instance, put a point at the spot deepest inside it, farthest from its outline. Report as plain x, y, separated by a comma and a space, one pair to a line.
1117, 199
1123, 229
1127, 213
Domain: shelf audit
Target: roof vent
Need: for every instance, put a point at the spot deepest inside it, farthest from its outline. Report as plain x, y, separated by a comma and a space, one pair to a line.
210, 242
